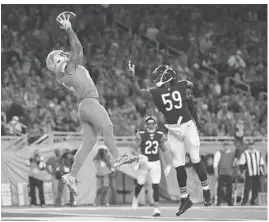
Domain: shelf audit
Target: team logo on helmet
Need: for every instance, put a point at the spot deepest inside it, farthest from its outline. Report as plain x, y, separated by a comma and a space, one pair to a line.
151, 124
163, 74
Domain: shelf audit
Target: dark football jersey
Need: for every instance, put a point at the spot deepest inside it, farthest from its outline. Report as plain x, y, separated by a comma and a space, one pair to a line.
150, 144
172, 102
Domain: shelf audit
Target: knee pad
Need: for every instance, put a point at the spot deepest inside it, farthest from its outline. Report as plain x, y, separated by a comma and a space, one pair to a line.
155, 188
181, 176
201, 171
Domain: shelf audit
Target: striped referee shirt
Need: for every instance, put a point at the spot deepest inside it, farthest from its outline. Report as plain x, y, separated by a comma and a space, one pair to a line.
253, 161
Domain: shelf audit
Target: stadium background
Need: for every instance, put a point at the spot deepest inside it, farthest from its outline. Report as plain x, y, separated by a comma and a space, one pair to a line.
197, 42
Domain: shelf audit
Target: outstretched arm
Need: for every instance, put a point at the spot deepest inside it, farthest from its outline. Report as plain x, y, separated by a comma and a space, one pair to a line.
142, 93
76, 57
76, 51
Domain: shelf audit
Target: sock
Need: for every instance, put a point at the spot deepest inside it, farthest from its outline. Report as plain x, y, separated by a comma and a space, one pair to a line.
138, 188
109, 141
201, 172
182, 181
155, 188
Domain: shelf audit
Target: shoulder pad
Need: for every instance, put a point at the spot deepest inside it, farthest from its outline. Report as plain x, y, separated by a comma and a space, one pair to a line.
160, 132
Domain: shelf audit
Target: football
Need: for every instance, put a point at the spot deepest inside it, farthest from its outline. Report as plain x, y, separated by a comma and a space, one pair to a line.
66, 14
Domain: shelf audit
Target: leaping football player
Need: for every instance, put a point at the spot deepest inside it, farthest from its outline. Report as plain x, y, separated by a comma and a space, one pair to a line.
149, 142
173, 98
70, 72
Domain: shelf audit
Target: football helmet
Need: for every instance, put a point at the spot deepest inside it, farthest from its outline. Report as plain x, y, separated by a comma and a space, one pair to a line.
163, 74
55, 59
151, 124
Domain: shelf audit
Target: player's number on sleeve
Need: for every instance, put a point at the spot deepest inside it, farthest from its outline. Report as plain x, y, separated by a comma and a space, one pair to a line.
151, 147
175, 101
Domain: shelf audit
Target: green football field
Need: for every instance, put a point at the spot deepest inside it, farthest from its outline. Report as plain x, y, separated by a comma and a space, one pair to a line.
123, 213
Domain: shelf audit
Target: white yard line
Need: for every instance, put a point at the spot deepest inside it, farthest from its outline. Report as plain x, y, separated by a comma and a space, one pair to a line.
133, 217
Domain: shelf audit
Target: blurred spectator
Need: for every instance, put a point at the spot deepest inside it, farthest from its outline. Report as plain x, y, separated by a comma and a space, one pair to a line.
67, 160
204, 43
36, 165
103, 170
53, 167
15, 127
223, 164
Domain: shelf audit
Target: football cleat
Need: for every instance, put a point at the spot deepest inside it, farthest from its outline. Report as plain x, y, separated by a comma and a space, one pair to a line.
135, 203
156, 212
72, 183
124, 159
185, 204
207, 198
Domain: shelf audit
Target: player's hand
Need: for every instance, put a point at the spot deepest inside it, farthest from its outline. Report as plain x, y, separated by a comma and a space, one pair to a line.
64, 21
167, 170
131, 70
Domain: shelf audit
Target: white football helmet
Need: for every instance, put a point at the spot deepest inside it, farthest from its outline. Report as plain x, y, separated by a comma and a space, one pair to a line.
55, 59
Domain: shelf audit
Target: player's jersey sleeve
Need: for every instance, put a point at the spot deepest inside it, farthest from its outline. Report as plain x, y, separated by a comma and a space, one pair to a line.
151, 90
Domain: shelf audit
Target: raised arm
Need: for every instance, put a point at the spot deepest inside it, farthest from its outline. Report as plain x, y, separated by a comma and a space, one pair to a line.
76, 57
142, 93
76, 50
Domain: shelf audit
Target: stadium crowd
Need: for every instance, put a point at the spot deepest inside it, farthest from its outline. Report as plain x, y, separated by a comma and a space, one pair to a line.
222, 50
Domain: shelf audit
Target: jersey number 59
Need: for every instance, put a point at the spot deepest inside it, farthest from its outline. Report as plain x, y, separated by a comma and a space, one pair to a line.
151, 147
172, 100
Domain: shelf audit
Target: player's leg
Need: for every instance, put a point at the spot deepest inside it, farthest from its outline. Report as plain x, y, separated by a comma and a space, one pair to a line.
155, 175
192, 142
89, 139
99, 118
247, 187
141, 180
254, 189
178, 151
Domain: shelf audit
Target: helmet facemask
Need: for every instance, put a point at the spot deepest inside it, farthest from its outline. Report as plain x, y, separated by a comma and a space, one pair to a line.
163, 74
150, 124
55, 60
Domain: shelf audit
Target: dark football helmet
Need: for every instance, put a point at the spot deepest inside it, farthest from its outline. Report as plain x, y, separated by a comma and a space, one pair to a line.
151, 124
163, 74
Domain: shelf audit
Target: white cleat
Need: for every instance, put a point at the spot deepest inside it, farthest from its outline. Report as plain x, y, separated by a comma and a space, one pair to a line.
123, 159
156, 212
135, 203
72, 183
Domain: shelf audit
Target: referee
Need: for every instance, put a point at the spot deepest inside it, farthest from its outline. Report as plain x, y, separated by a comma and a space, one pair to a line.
252, 161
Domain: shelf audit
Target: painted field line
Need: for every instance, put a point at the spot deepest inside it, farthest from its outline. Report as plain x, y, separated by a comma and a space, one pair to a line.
138, 217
